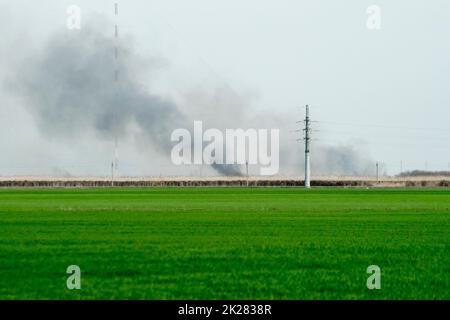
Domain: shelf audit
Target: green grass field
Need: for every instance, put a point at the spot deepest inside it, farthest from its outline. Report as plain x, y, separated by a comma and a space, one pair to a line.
225, 243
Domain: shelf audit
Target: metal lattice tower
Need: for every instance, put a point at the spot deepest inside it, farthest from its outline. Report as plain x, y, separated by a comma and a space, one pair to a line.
307, 139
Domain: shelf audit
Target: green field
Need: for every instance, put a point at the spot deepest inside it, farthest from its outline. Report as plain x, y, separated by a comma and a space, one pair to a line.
225, 243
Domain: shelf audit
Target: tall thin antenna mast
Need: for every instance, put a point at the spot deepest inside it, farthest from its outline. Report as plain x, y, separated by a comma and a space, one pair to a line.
307, 145
116, 79
246, 168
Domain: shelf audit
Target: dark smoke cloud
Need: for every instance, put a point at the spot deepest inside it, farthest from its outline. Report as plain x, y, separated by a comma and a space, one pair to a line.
228, 169
340, 160
70, 88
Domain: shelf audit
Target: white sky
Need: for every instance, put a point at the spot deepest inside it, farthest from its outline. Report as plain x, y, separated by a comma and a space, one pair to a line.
286, 54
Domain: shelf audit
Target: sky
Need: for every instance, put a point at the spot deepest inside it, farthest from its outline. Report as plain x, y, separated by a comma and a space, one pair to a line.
383, 93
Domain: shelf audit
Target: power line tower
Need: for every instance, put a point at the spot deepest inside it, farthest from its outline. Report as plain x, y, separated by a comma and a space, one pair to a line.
307, 139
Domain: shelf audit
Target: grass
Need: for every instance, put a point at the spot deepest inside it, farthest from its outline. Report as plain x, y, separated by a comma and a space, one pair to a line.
225, 243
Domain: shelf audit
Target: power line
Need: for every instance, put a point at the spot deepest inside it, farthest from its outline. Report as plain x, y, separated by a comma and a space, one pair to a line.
381, 126
393, 145
390, 137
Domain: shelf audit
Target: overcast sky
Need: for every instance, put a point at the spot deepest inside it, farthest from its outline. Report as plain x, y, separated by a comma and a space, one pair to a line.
387, 91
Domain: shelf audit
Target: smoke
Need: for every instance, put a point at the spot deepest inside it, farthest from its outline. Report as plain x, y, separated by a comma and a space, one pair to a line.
68, 87
340, 160
227, 170
326, 160
70, 90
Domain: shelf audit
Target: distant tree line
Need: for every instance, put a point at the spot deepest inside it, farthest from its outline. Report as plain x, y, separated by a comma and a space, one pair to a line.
422, 173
